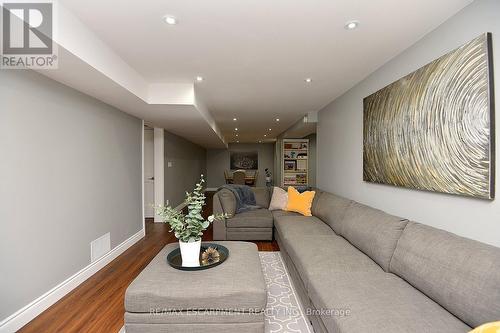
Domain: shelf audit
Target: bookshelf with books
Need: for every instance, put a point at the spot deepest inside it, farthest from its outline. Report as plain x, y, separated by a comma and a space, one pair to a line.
294, 162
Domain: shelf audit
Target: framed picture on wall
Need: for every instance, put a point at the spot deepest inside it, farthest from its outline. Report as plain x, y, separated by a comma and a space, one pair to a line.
246, 160
446, 105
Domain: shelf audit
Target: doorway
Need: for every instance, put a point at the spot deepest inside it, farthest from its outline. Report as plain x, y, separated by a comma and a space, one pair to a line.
149, 170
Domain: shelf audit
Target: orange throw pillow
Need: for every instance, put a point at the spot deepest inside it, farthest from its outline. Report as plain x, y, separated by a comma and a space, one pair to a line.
300, 202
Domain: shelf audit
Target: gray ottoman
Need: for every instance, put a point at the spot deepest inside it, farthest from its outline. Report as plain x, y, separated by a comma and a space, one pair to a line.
228, 298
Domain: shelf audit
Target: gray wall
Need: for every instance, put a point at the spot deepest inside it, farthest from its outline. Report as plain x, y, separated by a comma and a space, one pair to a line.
188, 162
278, 152
70, 172
218, 161
311, 162
340, 135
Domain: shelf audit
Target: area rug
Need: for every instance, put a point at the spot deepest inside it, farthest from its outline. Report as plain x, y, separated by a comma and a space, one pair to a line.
284, 312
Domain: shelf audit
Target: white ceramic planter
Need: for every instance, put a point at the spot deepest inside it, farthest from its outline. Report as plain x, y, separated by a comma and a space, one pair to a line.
190, 253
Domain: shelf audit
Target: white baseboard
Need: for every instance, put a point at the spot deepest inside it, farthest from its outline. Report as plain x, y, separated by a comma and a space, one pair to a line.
24, 315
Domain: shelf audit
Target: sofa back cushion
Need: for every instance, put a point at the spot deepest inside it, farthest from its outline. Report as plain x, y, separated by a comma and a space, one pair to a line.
262, 196
316, 198
227, 201
460, 274
330, 208
372, 231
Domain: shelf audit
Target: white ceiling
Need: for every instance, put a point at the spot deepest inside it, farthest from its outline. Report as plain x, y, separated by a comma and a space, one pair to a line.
171, 117
255, 54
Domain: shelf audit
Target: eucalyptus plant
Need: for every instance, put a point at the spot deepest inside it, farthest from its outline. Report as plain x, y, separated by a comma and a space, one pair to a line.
189, 227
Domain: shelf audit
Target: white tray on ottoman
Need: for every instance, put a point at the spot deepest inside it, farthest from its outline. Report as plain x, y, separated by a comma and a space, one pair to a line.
230, 297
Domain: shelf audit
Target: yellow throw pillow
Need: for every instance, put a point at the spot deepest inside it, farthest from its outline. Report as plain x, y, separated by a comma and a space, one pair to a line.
488, 328
300, 202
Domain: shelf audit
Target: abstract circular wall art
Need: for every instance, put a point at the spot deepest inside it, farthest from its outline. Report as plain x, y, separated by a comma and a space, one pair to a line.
434, 128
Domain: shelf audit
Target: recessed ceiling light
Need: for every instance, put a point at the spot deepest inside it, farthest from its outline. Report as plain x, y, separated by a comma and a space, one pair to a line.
199, 78
260, 141
237, 141
270, 129
351, 25
277, 119
236, 134
236, 128
265, 134
234, 119
171, 20
308, 80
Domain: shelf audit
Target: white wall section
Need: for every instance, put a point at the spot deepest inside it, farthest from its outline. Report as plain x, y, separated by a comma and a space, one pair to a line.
71, 171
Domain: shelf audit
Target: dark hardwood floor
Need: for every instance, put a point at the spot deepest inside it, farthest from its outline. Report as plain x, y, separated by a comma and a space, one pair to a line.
97, 304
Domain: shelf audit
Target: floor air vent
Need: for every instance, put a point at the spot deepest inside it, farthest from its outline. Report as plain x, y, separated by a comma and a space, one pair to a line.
100, 247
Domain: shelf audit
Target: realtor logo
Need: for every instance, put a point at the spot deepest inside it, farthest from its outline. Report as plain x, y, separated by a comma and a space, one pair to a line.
27, 35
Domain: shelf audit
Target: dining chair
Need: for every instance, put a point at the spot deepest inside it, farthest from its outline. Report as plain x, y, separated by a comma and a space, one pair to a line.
253, 180
255, 177
239, 177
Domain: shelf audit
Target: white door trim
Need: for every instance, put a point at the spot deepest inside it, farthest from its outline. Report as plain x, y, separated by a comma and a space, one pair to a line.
142, 180
159, 137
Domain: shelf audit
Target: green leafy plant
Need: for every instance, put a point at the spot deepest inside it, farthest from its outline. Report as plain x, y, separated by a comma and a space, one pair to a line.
189, 227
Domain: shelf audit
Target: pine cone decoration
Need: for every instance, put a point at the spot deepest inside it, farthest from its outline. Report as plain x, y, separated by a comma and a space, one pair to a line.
210, 256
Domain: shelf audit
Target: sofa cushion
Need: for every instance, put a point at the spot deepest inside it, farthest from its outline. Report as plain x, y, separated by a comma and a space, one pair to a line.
316, 199
331, 209
378, 302
280, 213
461, 274
323, 255
227, 201
373, 231
302, 225
493, 327
262, 196
257, 218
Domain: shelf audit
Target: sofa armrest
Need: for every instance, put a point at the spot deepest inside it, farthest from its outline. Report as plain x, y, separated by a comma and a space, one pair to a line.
219, 226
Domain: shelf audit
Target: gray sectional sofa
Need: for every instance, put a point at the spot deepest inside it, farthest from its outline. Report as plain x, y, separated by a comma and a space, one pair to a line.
358, 269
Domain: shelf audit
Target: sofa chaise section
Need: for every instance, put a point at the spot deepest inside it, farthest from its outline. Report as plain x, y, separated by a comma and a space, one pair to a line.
378, 302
